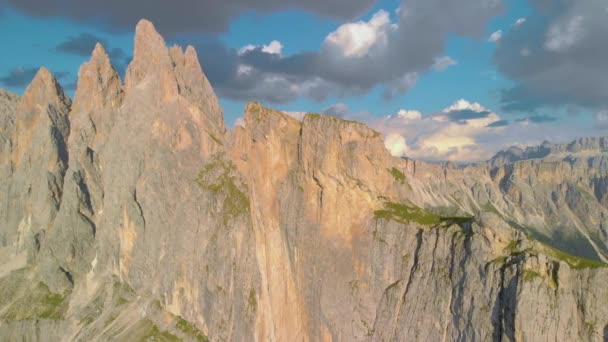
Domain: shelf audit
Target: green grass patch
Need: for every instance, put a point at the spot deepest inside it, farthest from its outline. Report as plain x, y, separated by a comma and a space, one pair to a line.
254, 107
219, 177
122, 293
573, 261
253, 299
151, 332
537, 247
398, 175
38, 303
190, 330
405, 213
529, 275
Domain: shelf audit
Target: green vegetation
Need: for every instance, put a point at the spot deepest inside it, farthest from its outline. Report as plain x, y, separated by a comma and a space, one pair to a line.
254, 107
191, 330
253, 301
38, 303
573, 261
219, 177
590, 328
122, 293
405, 213
398, 175
529, 275
151, 332
536, 247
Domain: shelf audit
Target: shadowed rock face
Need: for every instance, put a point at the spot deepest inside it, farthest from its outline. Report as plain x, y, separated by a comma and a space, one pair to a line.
131, 214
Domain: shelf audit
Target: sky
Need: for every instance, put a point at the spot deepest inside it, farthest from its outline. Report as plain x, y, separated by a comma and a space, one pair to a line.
441, 79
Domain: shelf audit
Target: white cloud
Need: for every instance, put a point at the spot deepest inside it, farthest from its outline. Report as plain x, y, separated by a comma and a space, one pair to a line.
463, 104
495, 37
450, 134
396, 145
562, 36
519, 21
274, 47
444, 62
361, 38
525, 52
409, 114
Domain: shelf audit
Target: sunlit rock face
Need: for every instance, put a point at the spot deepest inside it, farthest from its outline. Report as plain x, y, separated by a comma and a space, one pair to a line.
132, 214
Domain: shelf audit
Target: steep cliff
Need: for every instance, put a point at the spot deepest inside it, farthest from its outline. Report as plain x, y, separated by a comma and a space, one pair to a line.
133, 214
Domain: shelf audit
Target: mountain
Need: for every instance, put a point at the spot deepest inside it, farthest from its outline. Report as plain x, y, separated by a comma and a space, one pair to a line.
133, 214
578, 148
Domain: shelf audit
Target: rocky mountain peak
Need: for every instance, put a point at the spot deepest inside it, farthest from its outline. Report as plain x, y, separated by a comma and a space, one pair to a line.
43, 90
172, 75
150, 55
42, 108
98, 83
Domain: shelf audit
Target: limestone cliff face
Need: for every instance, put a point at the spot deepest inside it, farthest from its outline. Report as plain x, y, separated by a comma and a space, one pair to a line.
132, 214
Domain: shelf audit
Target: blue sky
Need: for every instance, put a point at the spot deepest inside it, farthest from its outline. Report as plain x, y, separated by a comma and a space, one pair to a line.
485, 73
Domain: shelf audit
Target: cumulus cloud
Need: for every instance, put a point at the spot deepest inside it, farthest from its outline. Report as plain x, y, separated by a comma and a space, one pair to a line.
409, 114
519, 21
443, 62
361, 38
466, 131
275, 47
449, 134
388, 51
495, 37
396, 145
555, 57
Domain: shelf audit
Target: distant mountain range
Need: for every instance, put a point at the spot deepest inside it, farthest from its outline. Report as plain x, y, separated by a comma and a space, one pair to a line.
131, 213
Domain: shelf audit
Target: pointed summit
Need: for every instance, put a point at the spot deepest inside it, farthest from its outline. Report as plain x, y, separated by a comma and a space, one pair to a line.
191, 61
99, 51
150, 55
43, 90
98, 83
195, 86
44, 104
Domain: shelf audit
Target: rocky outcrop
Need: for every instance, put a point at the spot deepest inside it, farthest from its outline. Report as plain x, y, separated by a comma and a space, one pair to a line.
131, 215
